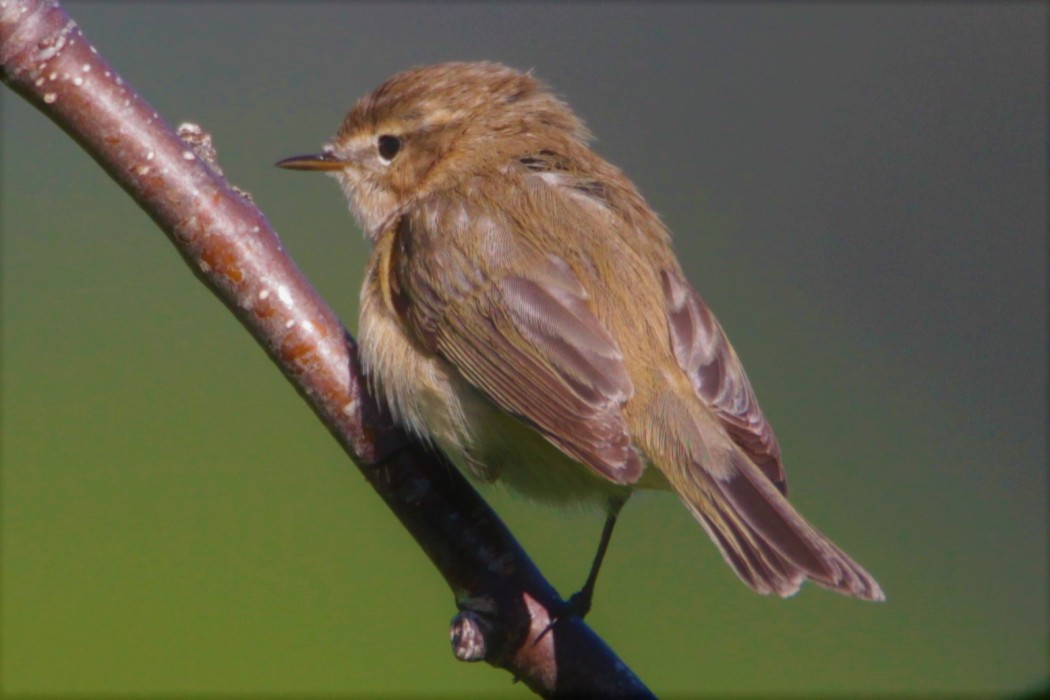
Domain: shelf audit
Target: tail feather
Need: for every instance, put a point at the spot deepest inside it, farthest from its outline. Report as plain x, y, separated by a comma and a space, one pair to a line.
771, 523
759, 566
762, 537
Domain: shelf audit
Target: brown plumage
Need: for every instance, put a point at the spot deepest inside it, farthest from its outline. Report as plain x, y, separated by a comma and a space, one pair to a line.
523, 310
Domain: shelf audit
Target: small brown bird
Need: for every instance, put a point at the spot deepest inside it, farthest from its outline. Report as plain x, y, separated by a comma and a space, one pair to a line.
523, 310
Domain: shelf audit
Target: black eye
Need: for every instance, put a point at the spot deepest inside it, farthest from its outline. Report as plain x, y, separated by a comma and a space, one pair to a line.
388, 147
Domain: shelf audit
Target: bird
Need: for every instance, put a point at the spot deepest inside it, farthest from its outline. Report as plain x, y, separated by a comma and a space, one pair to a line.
523, 311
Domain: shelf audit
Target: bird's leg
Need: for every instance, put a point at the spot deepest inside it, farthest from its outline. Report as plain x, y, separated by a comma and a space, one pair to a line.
580, 602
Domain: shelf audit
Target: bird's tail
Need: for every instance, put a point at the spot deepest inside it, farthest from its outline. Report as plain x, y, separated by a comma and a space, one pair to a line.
770, 546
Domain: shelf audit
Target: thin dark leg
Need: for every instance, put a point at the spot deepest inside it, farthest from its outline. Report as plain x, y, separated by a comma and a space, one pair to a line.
580, 602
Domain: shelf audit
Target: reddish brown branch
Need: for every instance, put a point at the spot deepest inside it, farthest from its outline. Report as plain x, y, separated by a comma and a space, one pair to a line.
504, 600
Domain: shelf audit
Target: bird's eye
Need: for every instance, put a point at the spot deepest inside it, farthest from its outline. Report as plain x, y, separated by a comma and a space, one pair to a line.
388, 147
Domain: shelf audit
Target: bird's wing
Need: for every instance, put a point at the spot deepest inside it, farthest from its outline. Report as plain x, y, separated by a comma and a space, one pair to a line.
703, 351
528, 340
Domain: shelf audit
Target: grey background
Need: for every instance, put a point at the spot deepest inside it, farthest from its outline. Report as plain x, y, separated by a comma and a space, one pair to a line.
858, 190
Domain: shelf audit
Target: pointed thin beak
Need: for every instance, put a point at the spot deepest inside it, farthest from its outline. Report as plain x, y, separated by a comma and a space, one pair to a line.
321, 161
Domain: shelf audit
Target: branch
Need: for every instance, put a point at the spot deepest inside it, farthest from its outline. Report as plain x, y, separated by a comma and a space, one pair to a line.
504, 601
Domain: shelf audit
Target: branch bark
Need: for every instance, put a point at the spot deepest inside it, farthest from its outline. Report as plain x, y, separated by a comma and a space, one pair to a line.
505, 603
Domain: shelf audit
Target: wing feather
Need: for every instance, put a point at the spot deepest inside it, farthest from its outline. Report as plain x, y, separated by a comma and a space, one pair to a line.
703, 351
528, 340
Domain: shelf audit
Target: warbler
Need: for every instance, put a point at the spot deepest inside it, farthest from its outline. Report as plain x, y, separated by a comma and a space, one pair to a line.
524, 312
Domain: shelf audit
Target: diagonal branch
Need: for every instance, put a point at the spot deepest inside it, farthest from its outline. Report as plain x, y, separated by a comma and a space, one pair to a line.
504, 601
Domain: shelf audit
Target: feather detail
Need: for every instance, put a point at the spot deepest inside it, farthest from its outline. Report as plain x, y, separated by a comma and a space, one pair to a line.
704, 353
529, 341
762, 537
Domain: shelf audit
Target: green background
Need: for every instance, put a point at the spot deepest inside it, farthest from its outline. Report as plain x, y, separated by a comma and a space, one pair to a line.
859, 191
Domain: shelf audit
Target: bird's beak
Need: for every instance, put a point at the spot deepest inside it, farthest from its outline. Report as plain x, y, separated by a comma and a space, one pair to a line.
321, 161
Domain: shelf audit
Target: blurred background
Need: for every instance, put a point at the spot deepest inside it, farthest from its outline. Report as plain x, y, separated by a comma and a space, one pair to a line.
860, 193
